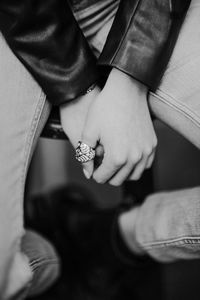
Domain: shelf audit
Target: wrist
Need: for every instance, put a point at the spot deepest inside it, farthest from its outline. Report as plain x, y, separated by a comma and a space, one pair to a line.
83, 99
90, 89
121, 79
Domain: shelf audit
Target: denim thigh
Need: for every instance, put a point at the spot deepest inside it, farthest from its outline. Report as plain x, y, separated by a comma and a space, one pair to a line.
177, 100
167, 225
23, 112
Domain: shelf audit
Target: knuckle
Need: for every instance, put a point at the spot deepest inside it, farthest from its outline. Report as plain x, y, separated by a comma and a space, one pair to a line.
135, 156
118, 160
148, 150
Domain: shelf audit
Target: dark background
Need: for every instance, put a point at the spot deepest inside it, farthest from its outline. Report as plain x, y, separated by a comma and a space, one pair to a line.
176, 166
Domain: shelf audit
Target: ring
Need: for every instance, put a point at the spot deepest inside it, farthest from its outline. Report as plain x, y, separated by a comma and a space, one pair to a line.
84, 153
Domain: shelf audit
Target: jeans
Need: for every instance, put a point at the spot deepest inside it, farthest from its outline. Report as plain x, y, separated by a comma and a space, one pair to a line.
167, 225
43, 261
24, 111
24, 255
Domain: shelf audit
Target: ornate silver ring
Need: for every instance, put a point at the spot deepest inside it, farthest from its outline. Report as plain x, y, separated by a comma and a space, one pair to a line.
84, 153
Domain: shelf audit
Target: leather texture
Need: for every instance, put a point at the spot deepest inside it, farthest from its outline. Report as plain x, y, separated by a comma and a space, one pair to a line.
45, 36
143, 36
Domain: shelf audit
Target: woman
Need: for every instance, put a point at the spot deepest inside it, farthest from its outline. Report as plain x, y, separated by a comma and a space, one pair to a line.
48, 41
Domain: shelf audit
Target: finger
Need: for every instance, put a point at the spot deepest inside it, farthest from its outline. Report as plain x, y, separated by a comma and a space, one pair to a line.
99, 151
88, 168
139, 169
107, 169
122, 175
150, 160
99, 156
90, 138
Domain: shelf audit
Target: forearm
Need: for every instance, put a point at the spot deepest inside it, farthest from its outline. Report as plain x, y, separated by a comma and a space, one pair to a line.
74, 113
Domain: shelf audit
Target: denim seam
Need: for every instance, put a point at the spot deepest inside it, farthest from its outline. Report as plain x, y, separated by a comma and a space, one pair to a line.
30, 137
176, 241
29, 141
178, 106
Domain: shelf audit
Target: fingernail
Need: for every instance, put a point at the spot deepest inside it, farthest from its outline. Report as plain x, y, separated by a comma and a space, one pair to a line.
86, 173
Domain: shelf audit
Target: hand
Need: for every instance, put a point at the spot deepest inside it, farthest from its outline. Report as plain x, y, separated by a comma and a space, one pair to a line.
120, 121
73, 115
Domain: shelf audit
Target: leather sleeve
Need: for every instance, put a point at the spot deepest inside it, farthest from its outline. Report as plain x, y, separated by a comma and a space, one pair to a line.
142, 38
44, 35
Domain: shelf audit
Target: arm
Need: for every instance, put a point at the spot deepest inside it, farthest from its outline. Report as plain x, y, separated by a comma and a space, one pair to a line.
46, 38
137, 51
142, 38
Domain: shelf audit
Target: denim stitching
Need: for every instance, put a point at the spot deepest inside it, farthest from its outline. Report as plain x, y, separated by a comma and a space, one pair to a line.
185, 110
30, 137
37, 263
29, 141
176, 242
40, 259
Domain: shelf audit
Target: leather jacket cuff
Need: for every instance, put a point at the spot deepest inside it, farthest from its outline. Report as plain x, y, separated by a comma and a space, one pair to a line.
142, 38
75, 87
46, 38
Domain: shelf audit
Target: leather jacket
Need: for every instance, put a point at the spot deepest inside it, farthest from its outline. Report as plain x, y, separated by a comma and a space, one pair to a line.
45, 36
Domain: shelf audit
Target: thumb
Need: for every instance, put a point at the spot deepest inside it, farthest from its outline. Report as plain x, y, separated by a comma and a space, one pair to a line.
90, 138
